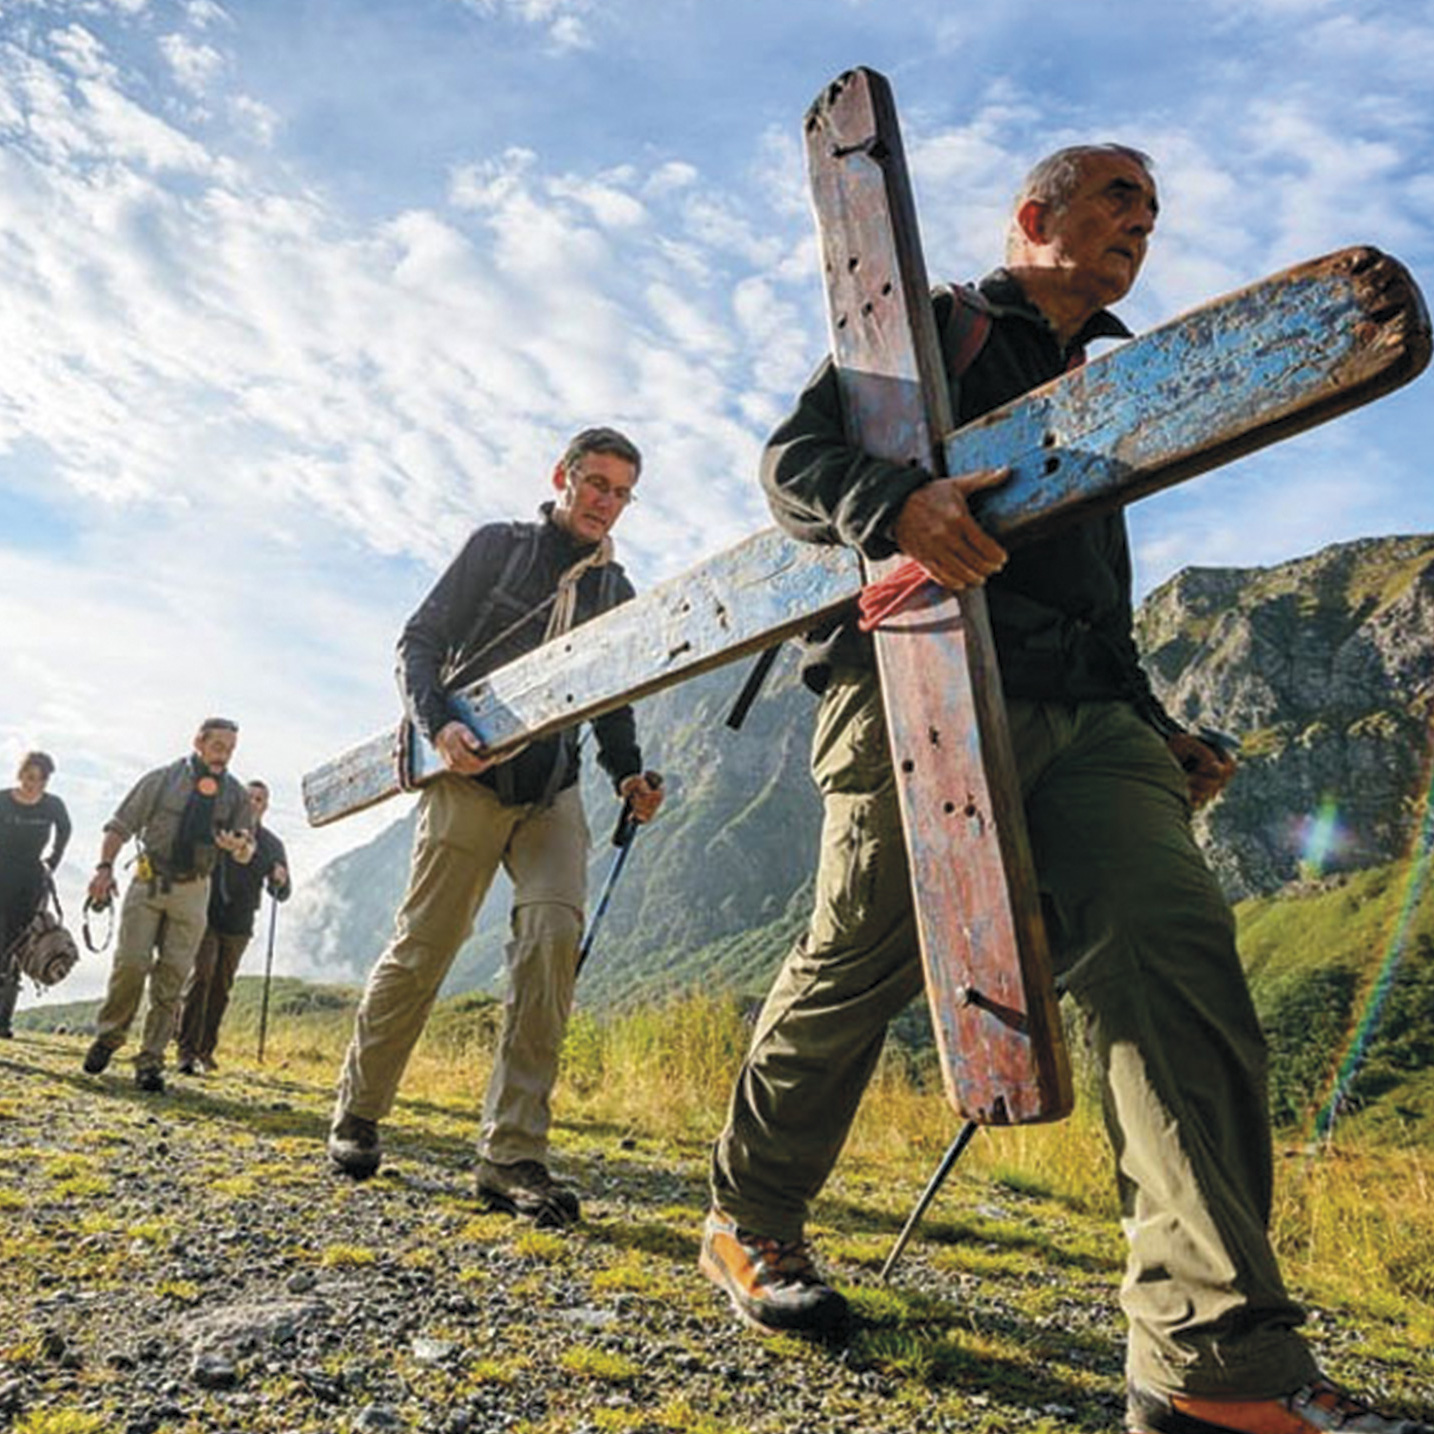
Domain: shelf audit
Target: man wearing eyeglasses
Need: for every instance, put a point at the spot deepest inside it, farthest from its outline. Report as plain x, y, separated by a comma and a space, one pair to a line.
514, 586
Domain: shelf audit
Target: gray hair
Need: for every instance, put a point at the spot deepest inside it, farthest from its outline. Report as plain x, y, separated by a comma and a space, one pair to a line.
600, 440
1055, 179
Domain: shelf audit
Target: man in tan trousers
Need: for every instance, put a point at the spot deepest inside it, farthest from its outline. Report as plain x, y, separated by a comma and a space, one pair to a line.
183, 816
513, 586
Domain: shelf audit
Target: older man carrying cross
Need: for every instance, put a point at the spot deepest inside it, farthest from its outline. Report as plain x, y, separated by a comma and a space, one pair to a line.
1142, 938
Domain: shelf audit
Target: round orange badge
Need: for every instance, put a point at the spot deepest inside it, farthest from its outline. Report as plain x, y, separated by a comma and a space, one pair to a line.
207, 787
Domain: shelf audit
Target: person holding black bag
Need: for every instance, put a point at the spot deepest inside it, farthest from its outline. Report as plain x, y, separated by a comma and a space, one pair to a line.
30, 820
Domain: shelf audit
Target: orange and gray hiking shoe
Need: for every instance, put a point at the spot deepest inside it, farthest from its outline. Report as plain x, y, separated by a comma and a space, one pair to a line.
772, 1284
1316, 1406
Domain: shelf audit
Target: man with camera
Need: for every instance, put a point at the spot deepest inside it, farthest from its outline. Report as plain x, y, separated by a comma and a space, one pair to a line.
182, 815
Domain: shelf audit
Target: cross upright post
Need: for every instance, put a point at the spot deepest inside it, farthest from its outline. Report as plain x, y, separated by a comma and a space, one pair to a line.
983, 942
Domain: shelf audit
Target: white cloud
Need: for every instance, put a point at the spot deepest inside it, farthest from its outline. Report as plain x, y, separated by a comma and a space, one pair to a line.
564, 21
82, 52
195, 66
253, 413
203, 14
254, 118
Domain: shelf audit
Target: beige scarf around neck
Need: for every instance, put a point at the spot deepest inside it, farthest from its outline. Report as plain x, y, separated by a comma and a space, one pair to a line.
565, 601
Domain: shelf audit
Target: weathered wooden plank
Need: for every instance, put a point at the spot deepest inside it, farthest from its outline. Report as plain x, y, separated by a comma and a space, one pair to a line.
1279, 356
764, 589
977, 903
1223, 380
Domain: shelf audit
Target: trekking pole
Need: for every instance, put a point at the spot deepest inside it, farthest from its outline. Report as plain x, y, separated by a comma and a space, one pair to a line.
268, 971
622, 836
938, 1179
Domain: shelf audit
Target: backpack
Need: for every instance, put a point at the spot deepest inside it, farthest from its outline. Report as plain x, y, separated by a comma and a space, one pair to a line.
44, 951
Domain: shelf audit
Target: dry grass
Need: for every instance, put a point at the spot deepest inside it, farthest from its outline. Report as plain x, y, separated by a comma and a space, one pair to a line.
1354, 1224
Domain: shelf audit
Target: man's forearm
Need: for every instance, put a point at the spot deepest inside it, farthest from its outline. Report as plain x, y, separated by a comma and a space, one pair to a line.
822, 490
110, 844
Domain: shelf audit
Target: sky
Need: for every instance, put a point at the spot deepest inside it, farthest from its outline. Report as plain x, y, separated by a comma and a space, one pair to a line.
294, 293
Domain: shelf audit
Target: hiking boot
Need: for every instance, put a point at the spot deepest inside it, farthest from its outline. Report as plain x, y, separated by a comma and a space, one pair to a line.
149, 1078
208, 1065
773, 1284
1320, 1405
354, 1146
188, 1066
526, 1188
97, 1058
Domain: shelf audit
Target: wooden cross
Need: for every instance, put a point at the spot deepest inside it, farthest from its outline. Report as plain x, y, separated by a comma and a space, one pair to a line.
1223, 380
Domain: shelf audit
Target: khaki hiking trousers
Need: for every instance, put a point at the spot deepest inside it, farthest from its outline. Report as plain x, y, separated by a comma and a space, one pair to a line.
464, 834
1144, 943
159, 933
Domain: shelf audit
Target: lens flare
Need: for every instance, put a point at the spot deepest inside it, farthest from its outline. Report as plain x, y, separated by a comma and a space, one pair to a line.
1378, 993
1320, 838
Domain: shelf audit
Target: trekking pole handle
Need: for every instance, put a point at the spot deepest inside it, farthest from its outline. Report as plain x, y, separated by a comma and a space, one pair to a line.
627, 824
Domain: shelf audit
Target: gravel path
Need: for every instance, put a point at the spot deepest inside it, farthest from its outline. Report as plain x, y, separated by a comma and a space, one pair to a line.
186, 1262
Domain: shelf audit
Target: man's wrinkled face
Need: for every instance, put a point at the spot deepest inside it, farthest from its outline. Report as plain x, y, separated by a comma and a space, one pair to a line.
1099, 238
591, 497
216, 747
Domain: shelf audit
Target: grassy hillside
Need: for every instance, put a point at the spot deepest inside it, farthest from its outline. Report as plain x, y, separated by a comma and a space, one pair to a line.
1342, 974
1343, 978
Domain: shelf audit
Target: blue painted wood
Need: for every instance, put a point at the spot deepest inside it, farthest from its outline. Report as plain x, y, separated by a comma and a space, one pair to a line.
1360, 329
1209, 386
754, 594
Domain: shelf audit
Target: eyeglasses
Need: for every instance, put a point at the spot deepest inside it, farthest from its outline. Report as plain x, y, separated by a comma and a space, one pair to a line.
600, 485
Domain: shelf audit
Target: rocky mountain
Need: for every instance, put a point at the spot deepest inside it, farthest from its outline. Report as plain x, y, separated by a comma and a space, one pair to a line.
1323, 667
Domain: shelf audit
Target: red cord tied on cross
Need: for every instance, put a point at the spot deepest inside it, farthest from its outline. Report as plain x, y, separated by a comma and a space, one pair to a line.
887, 595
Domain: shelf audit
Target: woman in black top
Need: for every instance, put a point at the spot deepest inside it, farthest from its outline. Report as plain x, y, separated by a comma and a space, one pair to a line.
29, 817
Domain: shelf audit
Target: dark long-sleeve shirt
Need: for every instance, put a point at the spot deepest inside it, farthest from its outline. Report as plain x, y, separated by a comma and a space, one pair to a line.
490, 607
26, 830
236, 891
24, 833
1061, 608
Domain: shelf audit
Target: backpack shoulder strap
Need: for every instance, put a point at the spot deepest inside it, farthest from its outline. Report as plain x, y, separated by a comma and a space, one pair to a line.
971, 318
522, 552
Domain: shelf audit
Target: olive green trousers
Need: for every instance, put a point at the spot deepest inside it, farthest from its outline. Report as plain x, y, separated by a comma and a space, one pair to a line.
464, 834
1143, 941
